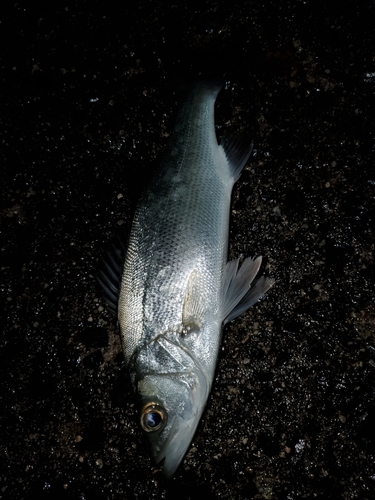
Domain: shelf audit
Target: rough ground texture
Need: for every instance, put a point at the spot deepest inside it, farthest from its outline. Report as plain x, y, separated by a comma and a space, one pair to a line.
89, 93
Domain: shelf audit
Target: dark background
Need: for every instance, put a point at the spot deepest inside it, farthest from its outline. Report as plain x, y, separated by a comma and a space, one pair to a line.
89, 91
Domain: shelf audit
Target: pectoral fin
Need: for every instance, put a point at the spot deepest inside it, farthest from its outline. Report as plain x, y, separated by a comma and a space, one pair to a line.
195, 302
238, 294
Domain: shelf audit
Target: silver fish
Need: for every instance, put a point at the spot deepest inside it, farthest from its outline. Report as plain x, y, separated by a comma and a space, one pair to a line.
177, 288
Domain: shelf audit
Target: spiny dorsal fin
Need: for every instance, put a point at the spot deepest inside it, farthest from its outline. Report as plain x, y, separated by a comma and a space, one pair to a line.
238, 294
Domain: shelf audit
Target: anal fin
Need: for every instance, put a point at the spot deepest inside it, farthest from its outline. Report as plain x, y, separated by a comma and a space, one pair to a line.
110, 268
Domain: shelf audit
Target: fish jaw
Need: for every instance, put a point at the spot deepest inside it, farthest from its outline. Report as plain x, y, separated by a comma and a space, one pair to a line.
181, 435
178, 393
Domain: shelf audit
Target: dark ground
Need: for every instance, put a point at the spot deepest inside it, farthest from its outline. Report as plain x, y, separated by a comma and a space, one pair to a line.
88, 99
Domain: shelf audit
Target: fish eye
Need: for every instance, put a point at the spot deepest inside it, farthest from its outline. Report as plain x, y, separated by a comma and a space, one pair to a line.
153, 417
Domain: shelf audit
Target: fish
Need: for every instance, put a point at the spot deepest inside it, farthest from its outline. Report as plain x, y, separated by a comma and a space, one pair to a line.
176, 289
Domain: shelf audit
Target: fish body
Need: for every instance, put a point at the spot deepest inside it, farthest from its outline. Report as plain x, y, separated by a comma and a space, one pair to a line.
177, 288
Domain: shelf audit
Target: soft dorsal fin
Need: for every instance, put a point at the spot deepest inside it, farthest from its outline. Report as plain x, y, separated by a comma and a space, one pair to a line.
238, 294
237, 150
195, 302
110, 268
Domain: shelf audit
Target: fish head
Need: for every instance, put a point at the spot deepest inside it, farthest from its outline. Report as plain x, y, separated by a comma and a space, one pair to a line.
170, 406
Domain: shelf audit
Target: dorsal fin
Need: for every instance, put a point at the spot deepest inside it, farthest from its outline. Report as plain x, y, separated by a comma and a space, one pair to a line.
238, 294
110, 267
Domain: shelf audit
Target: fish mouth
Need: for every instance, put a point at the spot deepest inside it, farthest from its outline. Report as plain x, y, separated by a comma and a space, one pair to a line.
185, 424
174, 450
183, 395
